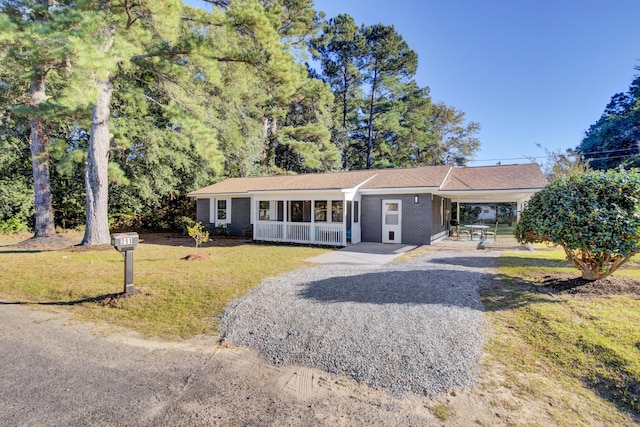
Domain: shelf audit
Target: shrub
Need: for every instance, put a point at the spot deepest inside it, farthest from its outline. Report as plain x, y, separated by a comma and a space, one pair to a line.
593, 216
13, 226
222, 229
199, 233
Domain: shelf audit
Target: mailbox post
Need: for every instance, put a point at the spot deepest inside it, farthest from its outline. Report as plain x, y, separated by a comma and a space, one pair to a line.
125, 243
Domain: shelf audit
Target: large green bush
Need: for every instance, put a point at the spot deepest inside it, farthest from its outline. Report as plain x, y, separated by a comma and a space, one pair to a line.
594, 216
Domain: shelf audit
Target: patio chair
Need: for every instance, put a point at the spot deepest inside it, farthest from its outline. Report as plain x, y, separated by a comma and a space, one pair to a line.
493, 233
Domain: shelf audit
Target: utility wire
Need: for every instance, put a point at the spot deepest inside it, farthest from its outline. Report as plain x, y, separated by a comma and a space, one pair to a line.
588, 153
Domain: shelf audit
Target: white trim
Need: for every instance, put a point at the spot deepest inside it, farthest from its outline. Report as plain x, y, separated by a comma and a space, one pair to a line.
227, 219
212, 211
223, 195
398, 190
484, 196
294, 192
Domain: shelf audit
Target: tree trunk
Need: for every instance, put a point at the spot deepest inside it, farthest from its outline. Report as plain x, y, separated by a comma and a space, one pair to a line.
96, 175
370, 125
345, 105
39, 141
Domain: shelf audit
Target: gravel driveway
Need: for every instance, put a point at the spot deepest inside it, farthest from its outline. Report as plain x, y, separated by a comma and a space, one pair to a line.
407, 327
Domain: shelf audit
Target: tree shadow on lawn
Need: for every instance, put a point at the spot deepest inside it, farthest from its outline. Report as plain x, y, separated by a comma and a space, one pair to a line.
104, 300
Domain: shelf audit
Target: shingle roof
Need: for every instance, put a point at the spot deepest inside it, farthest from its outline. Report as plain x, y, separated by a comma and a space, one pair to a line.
502, 177
527, 176
429, 176
311, 181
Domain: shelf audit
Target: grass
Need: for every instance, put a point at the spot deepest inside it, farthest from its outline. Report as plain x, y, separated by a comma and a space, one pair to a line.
579, 354
583, 352
441, 411
176, 298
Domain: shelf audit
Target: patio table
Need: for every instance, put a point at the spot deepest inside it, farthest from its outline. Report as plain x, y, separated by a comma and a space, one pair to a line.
473, 227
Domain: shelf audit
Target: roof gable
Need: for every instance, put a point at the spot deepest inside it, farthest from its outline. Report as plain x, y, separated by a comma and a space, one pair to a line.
500, 177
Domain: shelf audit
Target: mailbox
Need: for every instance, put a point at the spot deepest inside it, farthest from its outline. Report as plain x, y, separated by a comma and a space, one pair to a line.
125, 243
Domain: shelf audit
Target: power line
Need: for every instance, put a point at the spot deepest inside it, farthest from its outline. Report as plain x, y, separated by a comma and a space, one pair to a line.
588, 153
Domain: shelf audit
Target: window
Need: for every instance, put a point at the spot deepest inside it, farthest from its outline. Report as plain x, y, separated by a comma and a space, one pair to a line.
320, 211
219, 211
264, 210
356, 216
336, 211
270, 210
280, 210
300, 211
221, 215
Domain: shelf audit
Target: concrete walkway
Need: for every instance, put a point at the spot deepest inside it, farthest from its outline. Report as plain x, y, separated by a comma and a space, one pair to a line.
365, 253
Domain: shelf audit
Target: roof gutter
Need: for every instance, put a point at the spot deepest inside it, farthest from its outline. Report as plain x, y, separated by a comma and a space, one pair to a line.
399, 190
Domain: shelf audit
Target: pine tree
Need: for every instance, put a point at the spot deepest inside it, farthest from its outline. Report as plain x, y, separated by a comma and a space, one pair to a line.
35, 48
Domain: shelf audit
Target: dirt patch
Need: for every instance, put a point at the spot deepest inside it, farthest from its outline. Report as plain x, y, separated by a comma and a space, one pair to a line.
170, 239
196, 257
51, 243
70, 242
609, 286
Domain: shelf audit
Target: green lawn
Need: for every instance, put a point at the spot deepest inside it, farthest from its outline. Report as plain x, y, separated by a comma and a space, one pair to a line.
581, 354
589, 345
176, 298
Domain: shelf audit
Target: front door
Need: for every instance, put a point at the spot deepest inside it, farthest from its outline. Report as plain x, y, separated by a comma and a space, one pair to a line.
391, 221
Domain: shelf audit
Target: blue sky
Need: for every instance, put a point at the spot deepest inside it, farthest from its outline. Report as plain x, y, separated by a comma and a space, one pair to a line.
529, 71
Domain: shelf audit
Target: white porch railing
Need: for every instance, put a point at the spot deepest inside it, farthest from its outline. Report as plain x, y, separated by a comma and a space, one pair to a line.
300, 232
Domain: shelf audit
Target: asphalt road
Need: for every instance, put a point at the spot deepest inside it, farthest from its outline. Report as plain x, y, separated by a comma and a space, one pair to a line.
54, 374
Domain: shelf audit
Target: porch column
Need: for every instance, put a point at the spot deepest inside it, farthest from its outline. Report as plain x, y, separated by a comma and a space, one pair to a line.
344, 219
312, 224
286, 218
521, 204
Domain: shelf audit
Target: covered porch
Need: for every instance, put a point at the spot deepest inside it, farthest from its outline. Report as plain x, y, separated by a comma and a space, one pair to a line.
331, 219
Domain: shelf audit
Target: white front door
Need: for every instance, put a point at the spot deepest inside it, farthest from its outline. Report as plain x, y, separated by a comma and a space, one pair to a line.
391, 221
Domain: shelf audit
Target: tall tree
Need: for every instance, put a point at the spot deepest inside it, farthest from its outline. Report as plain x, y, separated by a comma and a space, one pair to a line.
152, 36
394, 123
34, 47
293, 124
340, 49
455, 141
404, 132
305, 139
387, 59
614, 139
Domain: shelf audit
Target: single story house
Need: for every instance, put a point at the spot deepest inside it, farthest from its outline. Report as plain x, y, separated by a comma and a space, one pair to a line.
410, 206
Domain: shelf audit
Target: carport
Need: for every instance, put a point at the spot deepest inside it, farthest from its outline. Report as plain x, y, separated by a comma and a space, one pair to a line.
475, 185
